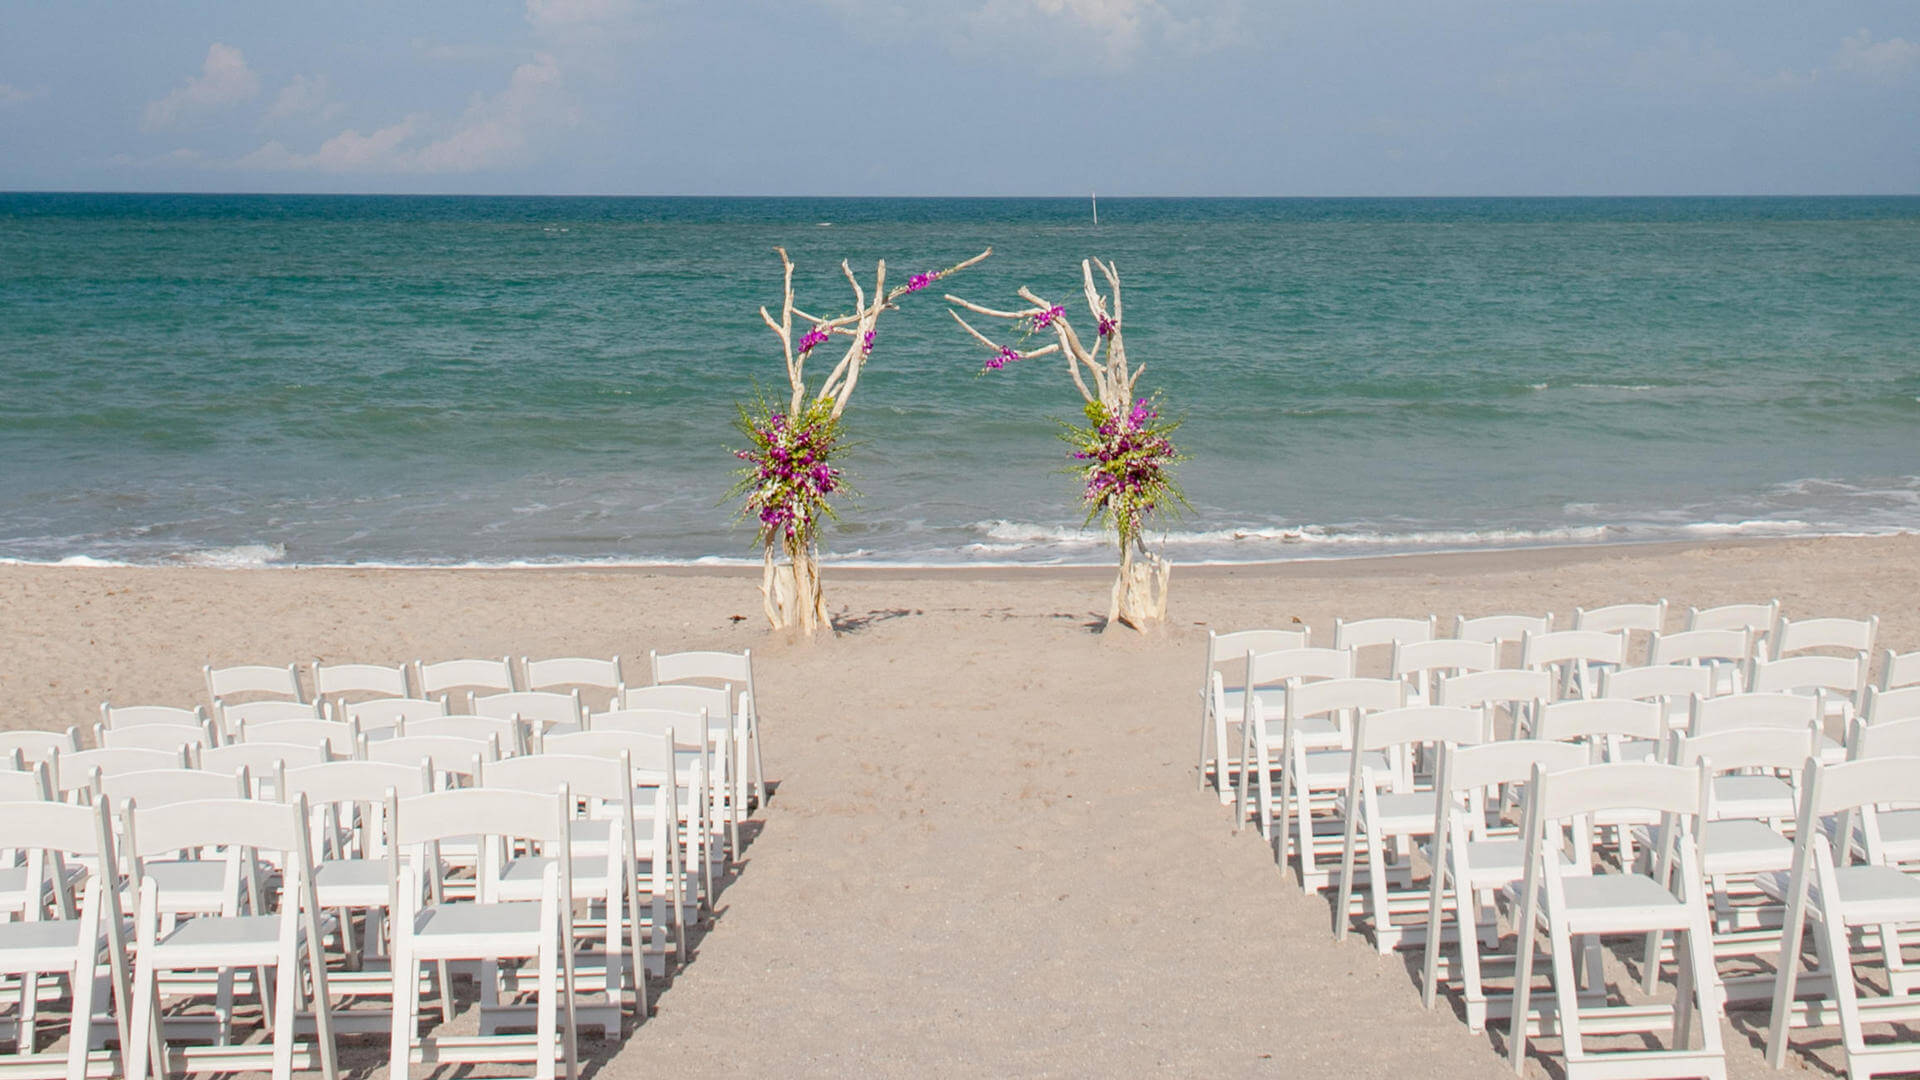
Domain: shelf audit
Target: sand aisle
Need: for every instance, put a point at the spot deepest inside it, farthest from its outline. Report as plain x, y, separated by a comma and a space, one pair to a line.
987, 855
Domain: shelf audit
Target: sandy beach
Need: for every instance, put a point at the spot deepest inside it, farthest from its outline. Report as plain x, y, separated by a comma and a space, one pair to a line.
987, 854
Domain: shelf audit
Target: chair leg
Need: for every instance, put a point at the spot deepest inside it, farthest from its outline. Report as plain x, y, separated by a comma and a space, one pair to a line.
144, 1027
1566, 992
406, 990
80, 1027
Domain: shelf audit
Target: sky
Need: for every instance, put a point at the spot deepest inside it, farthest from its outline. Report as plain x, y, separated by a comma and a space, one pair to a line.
963, 97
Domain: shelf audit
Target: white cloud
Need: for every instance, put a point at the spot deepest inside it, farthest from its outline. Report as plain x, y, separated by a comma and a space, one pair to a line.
1055, 32
1884, 61
494, 131
224, 80
11, 95
553, 15
305, 98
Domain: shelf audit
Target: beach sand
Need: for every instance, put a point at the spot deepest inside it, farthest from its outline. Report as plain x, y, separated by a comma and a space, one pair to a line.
987, 854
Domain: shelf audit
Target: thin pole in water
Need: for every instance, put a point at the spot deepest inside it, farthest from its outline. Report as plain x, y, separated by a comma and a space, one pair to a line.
1096, 207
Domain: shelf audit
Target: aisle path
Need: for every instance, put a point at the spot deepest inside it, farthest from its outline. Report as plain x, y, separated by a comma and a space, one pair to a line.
977, 867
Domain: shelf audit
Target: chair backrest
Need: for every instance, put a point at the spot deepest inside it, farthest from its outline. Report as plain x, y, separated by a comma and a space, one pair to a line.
43, 831
1758, 619
157, 736
1270, 668
1421, 725
72, 772
230, 716
228, 683
1844, 677
573, 671
1510, 761
1499, 687
540, 709
1738, 749
356, 781
1747, 710
715, 700
1366, 633
734, 669
503, 730
1693, 646
1501, 629
1420, 664
1899, 670
1851, 635
114, 717
446, 753
1565, 721
337, 737
1233, 646
1657, 682
586, 776
376, 714
467, 675
261, 759
279, 828
355, 681
1863, 782
1538, 651
1621, 785
25, 784
1884, 739
446, 815
1343, 696
645, 751
163, 787
38, 745
1885, 705
1644, 618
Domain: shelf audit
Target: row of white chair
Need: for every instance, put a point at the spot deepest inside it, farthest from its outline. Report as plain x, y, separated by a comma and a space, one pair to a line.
351, 817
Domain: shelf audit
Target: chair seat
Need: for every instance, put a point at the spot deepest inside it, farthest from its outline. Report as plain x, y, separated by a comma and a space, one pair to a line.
217, 941
1328, 769
1613, 903
520, 879
352, 883
13, 886
1868, 894
1743, 846
477, 931
1490, 863
1753, 797
41, 945
185, 884
1399, 813
1273, 701
1900, 834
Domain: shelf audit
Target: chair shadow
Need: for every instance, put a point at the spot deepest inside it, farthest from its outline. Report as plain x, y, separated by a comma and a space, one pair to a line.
852, 624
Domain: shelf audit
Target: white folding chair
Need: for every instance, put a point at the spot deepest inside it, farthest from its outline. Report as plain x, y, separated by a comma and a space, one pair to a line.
1626, 620
340, 683
1221, 696
1316, 768
353, 853
263, 761
466, 675
340, 739
540, 711
1885, 706
1382, 632
1266, 677
1514, 695
1757, 619
1422, 664
114, 717
378, 717
1760, 709
228, 683
604, 679
454, 759
1501, 631
1837, 682
192, 739
608, 947
1726, 653
1791, 637
187, 884
1843, 898
229, 717
504, 731
428, 928
1573, 657
1671, 686
74, 773
1570, 896
81, 943
722, 740
1389, 809
38, 745
1611, 730
229, 939
675, 824
735, 672
1899, 670
1475, 853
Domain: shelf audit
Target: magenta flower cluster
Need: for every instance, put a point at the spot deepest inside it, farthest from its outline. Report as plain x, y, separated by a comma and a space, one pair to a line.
816, 336
1129, 464
866, 344
1007, 355
787, 477
1043, 319
1108, 326
921, 281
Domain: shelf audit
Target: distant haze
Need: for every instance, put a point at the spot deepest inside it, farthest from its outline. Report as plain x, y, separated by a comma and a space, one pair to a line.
963, 97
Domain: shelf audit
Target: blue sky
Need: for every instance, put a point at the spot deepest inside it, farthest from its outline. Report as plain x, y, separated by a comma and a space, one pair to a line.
964, 97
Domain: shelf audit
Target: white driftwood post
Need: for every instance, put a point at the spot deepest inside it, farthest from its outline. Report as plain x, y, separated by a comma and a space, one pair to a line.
1140, 589
790, 590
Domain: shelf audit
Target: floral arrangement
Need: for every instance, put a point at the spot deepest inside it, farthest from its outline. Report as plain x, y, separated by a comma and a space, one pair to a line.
1128, 471
788, 473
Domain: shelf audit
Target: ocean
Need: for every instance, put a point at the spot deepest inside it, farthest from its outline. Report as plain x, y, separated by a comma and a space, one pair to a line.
316, 380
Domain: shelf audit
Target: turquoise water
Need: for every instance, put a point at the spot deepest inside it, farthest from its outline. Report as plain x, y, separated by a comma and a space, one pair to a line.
242, 379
